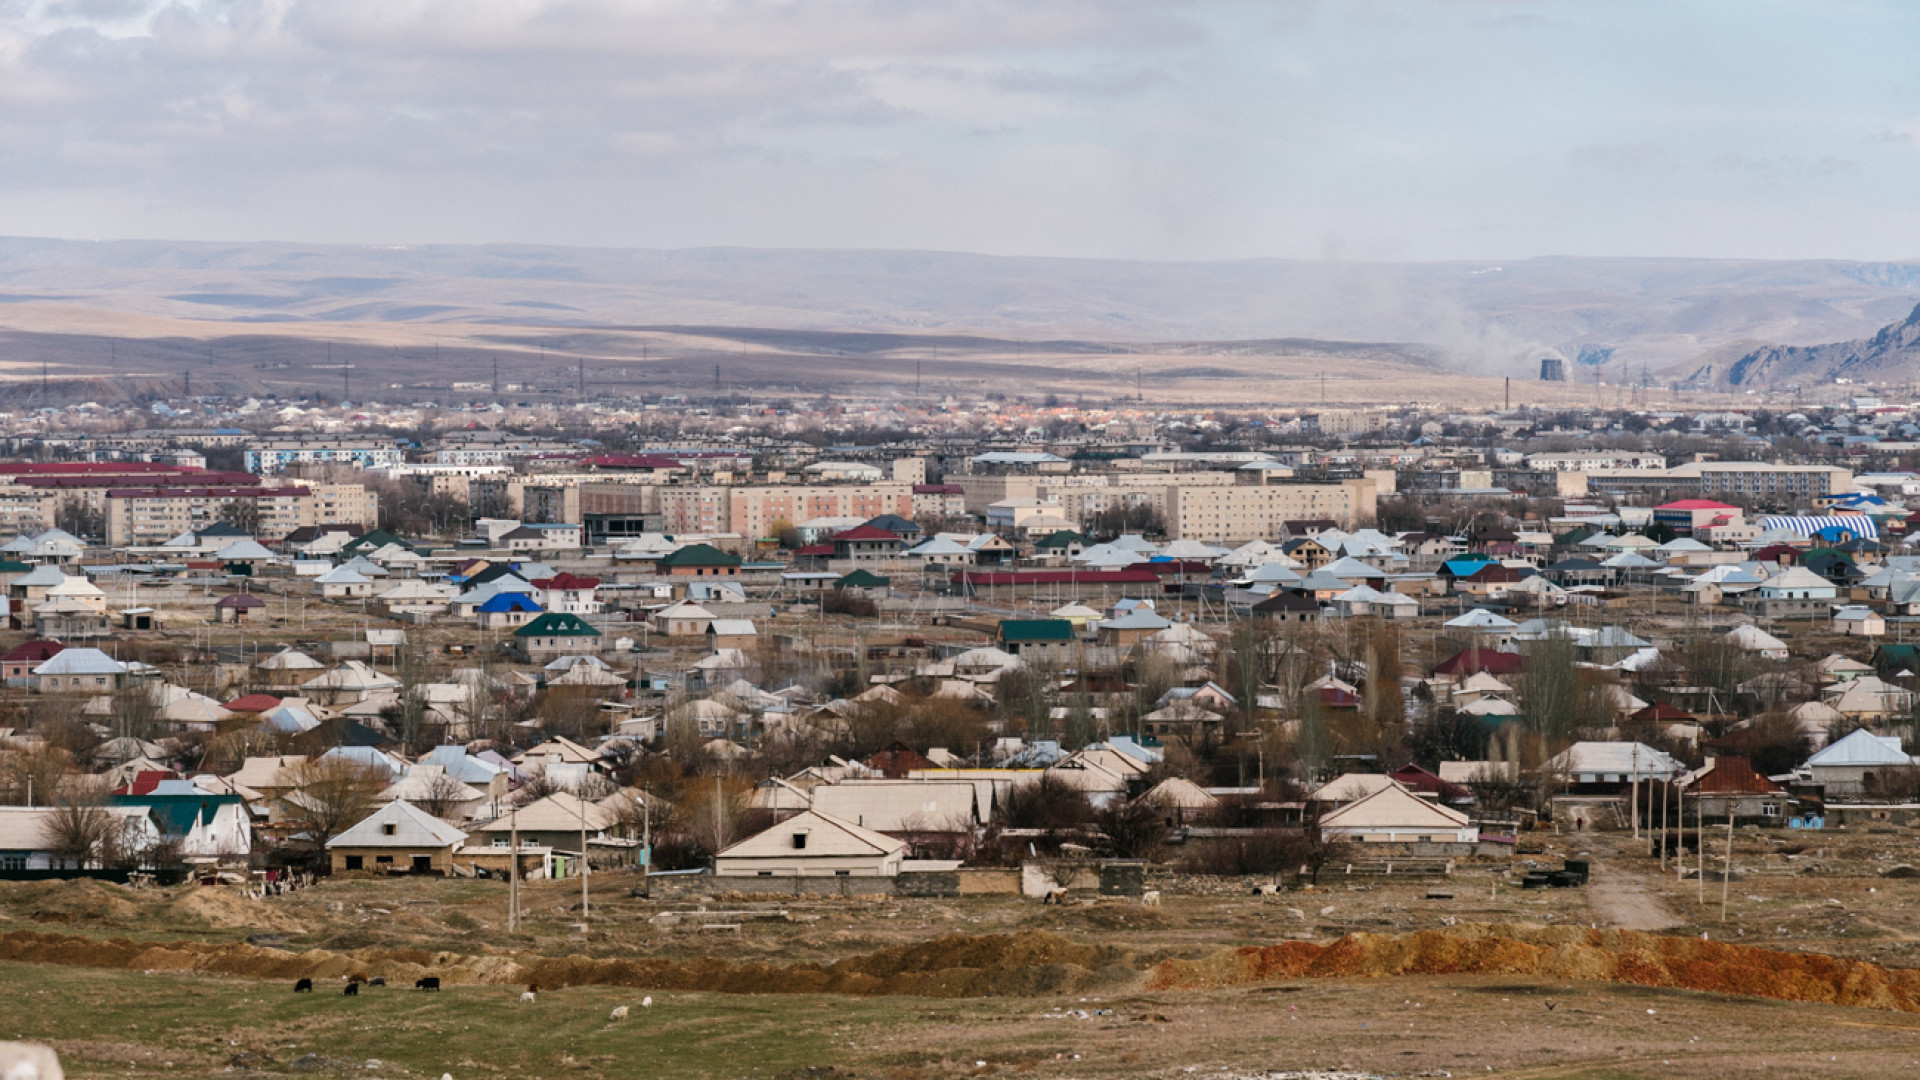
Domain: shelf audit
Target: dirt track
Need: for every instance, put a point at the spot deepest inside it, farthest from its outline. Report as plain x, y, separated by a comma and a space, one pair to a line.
1623, 900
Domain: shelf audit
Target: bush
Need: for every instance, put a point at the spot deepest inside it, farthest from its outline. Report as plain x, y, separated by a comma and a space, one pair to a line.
1264, 851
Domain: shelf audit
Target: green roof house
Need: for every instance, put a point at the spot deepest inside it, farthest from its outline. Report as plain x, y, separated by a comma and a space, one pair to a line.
698, 560
556, 633
1034, 637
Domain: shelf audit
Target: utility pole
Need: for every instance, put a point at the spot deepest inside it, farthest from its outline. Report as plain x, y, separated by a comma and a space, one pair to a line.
1726, 874
585, 863
496, 372
583, 376
186, 377
513, 869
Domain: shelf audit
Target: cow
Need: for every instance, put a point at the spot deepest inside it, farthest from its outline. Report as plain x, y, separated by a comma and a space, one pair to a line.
352, 989
377, 980
431, 982
304, 986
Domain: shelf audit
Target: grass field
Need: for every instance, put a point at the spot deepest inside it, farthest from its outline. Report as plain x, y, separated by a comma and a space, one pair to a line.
129, 1024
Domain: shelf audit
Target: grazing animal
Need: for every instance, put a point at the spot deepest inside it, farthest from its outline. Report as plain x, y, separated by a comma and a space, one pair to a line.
352, 989
431, 982
304, 986
619, 1013
1150, 898
1549, 1004
356, 978
646, 1002
527, 998
1055, 896
377, 980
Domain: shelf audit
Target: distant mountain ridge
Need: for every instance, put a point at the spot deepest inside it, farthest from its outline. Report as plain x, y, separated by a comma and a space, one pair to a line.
1619, 316
1892, 354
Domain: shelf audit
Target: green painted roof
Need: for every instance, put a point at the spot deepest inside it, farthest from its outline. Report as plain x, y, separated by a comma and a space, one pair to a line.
698, 555
1025, 630
863, 579
1063, 538
557, 624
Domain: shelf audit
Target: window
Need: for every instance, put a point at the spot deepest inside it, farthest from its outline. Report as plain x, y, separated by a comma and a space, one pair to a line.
764, 873
842, 873
378, 859
501, 841
355, 862
799, 841
389, 829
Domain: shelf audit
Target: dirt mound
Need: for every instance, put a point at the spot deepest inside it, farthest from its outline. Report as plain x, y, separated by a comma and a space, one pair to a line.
1608, 956
220, 909
76, 900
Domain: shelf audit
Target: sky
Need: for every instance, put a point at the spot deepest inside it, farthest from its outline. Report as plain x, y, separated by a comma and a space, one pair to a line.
1394, 130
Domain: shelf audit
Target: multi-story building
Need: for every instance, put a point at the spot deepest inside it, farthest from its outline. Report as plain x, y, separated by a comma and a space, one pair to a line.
1240, 512
1587, 461
269, 457
141, 516
26, 510
754, 510
1755, 482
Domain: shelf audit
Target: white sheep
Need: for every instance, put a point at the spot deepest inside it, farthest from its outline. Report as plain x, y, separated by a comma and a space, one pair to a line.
646, 1002
619, 1013
527, 998
1150, 898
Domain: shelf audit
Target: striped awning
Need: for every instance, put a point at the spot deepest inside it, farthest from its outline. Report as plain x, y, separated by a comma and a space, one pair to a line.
1860, 525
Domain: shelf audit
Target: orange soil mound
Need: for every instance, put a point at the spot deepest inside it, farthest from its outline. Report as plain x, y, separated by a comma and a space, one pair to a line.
1606, 956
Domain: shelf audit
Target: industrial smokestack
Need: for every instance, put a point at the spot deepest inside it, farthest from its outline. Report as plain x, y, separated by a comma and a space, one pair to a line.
1553, 369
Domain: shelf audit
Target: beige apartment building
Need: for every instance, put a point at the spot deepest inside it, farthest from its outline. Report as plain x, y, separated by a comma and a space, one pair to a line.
25, 510
143, 516
1242, 512
753, 510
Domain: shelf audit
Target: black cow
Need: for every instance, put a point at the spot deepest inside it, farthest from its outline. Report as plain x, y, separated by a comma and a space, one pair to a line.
431, 982
304, 986
377, 980
351, 990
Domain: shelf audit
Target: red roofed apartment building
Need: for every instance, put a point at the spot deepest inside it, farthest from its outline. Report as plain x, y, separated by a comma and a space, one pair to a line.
1688, 516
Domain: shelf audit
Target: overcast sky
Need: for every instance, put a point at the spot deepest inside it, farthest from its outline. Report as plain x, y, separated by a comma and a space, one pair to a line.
1391, 129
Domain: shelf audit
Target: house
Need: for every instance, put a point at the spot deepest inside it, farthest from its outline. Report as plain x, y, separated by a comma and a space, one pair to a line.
349, 684
397, 838
813, 844
288, 667
1288, 607
901, 808
1857, 620
1608, 768
1755, 640
1728, 785
1050, 638
1131, 629
506, 611
30, 837
866, 544
79, 671
569, 594
683, 619
1393, 814
553, 634
18, 663
731, 634
413, 596
540, 536
1181, 800
206, 827
235, 608
556, 822
1795, 592
1852, 767
699, 560
343, 583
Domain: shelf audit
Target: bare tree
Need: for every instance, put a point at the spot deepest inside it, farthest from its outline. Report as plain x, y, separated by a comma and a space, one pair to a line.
80, 832
443, 797
31, 776
329, 796
1137, 829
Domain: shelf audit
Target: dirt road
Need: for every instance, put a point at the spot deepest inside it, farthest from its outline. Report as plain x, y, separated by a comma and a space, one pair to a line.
1622, 899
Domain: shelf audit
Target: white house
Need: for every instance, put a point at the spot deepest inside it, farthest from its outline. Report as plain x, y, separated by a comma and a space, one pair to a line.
1393, 814
813, 844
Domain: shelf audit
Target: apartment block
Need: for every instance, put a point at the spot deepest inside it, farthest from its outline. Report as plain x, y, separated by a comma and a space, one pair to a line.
1240, 512
25, 510
144, 516
752, 511
270, 457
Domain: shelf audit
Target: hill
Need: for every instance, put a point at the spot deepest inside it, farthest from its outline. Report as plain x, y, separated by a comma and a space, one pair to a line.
1891, 355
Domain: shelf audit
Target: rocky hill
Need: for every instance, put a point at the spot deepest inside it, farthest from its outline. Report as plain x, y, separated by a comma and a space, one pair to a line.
1892, 355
